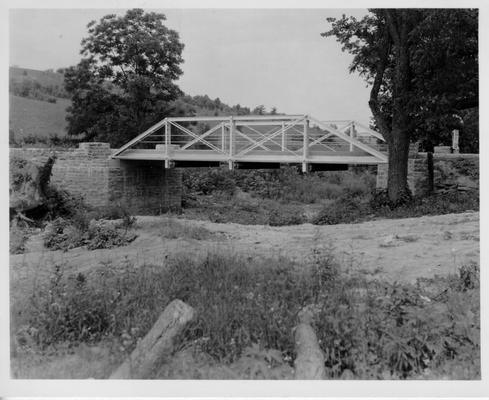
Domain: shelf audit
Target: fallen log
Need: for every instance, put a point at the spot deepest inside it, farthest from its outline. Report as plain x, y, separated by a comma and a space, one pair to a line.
157, 344
309, 362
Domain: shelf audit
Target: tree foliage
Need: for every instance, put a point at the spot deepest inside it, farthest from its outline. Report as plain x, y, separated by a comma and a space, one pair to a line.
422, 65
125, 81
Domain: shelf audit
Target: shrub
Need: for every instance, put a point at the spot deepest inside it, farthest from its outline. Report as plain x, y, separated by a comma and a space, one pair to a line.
64, 234
285, 184
286, 215
62, 204
103, 235
353, 209
208, 180
342, 210
379, 330
435, 204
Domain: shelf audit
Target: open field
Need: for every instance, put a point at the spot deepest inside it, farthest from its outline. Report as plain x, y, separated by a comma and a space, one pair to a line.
29, 117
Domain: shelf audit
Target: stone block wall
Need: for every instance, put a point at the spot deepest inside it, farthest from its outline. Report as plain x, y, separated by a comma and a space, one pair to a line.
88, 171
145, 187
450, 171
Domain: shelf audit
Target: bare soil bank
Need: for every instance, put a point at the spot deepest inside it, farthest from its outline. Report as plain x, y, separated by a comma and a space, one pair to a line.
397, 250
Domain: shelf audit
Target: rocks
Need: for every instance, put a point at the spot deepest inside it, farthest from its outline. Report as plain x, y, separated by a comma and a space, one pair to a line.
309, 363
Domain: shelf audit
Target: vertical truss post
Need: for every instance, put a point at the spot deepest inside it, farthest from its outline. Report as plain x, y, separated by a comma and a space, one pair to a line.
231, 142
305, 144
283, 136
223, 137
167, 144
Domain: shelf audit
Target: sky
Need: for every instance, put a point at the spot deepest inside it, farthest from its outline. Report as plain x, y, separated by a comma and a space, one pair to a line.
274, 57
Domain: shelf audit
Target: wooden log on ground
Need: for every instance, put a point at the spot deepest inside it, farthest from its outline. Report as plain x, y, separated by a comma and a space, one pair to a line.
157, 344
309, 362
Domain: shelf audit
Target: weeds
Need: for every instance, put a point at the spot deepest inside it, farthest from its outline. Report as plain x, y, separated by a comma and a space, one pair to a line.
349, 210
17, 239
63, 234
246, 311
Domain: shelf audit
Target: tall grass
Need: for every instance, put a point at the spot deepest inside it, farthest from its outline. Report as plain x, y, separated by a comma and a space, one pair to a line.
367, 329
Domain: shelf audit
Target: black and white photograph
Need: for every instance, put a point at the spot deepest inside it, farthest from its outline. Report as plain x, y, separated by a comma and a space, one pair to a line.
243, 194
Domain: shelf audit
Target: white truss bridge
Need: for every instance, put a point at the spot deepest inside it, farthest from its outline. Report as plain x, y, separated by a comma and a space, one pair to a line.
256, 142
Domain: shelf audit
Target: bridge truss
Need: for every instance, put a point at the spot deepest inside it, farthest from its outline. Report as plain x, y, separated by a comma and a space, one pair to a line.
255, 142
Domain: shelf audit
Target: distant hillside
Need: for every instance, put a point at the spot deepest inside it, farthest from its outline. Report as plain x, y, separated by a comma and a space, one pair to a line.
30, 117
38, 104
45, 78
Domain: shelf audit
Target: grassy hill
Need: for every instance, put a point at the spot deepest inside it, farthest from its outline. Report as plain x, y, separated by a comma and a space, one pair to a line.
38, 106
38, 118
45, 78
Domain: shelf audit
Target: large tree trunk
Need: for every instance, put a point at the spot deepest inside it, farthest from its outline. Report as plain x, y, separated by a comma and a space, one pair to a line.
397, 183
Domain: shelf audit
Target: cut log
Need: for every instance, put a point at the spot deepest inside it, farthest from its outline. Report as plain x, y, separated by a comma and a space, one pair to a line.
309, 362
157, 344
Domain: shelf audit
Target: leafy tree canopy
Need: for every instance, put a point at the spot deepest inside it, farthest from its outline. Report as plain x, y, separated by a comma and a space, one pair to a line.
422, 65
125, 81
442, 65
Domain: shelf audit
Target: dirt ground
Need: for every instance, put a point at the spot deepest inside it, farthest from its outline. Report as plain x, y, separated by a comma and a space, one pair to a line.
397, 250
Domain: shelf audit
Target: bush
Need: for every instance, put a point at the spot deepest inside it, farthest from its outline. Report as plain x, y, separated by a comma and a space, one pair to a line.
285, 184
208, 180
64, 234
61, 234
286, 215
435, 204
342, 210
62, 204
103, 235
354, 209
378, 330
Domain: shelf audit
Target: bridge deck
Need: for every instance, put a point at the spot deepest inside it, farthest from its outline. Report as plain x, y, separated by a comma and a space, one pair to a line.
252, 157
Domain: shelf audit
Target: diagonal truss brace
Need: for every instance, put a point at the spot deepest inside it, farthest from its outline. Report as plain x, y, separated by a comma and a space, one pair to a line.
377, 154
197, 138
271, 136
201, 137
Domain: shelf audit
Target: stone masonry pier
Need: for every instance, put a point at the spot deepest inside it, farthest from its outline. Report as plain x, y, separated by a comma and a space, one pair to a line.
144, 187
